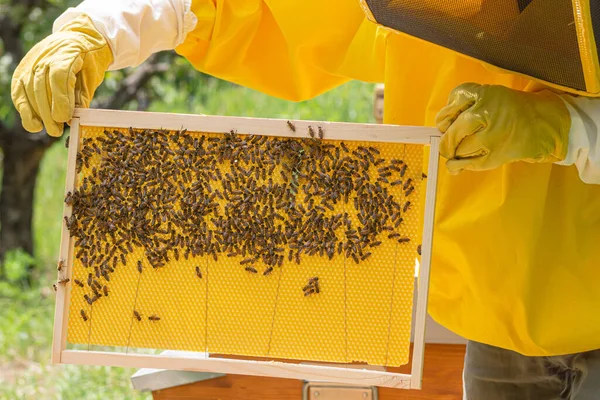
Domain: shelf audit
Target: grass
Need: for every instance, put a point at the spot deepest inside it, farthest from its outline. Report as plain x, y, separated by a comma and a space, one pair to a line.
26, 315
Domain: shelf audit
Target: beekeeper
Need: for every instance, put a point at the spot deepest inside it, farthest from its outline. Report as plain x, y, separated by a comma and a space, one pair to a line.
516, 263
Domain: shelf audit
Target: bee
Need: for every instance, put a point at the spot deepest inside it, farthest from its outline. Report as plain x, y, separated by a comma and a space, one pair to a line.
314, 279
321, 133
67, 142
393, 235
89, 300
268, 271
63, 281
198, 272
291, 126
344, 147
80, 253
154, 317
365, 256
105, 275
424, 175
61, 265
404, 240
311, 132
403, 170
90, 279
317, 289
54, 287
374, 150
83, 314
406, 206
419, 249
140, 267
355, 258
123, 259
251, 269
375, 244
407, 184
105, 290
78, 282
409, 191
137, 315
309, 292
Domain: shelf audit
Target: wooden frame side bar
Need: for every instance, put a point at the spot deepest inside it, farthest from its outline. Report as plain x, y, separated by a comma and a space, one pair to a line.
244, 367
63, 293
256, 126
424, 268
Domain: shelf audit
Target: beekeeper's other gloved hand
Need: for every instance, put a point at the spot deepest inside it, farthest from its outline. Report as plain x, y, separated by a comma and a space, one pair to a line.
487, 126
58, 74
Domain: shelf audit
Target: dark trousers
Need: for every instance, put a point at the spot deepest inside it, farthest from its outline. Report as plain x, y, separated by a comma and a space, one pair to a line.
492, 373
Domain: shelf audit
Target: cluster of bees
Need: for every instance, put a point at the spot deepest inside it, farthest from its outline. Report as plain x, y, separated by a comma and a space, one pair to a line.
312, 287
263, 200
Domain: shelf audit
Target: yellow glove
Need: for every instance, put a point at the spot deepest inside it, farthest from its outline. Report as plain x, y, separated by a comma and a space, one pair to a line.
487, 126
58, 74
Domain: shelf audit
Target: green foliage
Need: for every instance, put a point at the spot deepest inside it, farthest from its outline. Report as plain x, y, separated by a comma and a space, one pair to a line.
352, 102
15, 266
48, 207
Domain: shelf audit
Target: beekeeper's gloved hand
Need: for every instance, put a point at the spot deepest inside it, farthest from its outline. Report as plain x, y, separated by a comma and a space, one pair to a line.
63, 71
58, 74
487, 126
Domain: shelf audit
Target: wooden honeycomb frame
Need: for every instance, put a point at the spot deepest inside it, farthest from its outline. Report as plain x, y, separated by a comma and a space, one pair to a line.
270, 127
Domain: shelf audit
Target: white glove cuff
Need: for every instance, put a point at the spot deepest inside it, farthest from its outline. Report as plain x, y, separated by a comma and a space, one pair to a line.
584, 144
135, 29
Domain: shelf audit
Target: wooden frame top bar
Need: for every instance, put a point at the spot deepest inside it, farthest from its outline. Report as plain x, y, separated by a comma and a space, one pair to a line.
256, 126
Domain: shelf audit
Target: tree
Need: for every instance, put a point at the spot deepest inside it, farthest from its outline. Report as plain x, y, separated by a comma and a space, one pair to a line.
22, 24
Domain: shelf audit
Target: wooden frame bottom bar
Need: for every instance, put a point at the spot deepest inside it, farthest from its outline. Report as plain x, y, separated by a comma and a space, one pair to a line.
245, 367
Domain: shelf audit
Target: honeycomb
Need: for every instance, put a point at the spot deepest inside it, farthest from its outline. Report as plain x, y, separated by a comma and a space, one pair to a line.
362, 313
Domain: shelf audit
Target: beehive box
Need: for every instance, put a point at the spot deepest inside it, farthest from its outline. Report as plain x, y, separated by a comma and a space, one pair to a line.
280, 240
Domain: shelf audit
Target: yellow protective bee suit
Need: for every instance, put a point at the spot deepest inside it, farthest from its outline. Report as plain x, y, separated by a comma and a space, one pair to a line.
516, 249
516, 254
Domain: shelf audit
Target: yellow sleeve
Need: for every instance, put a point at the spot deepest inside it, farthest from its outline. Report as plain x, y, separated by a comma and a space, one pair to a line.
290, 49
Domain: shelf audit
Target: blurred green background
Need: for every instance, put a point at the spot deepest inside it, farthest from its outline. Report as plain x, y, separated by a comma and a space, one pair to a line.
27, 274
